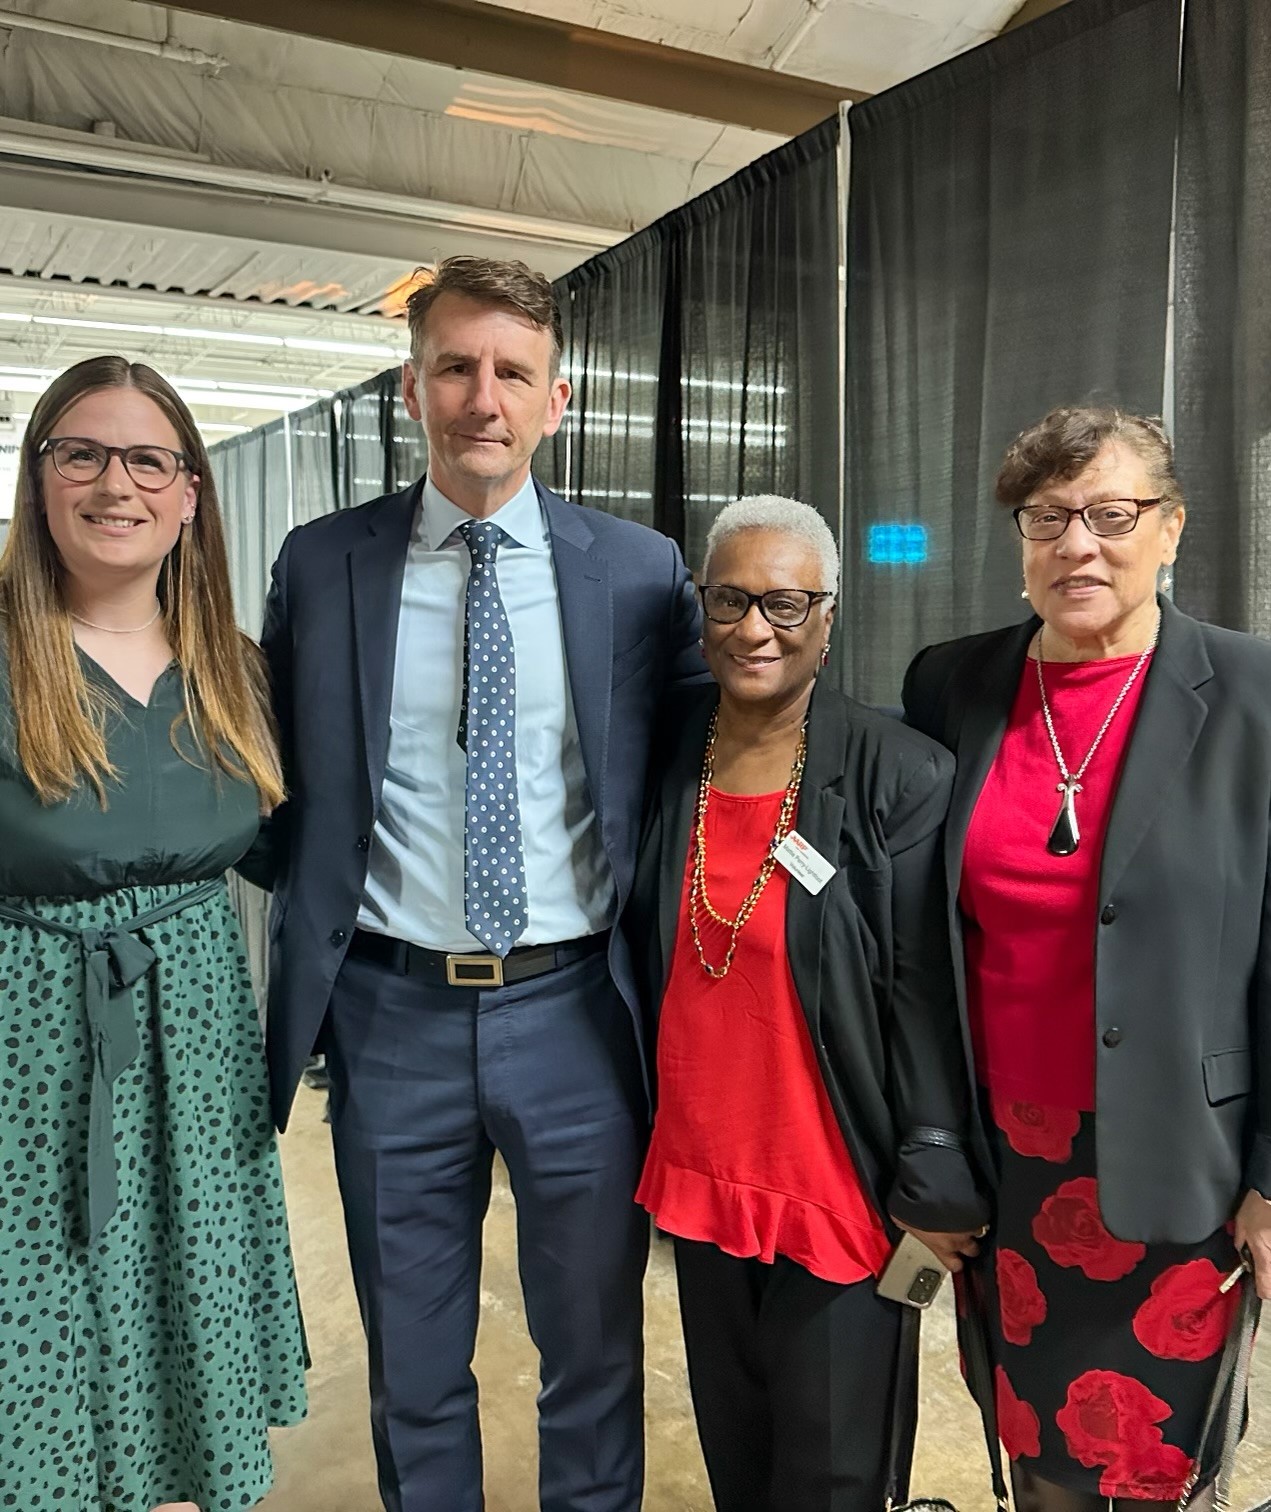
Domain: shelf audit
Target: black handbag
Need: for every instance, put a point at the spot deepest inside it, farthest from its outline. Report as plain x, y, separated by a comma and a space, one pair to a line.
1228, 1404
979, 1376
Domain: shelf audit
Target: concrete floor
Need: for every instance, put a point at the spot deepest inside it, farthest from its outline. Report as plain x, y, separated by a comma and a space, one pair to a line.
326, 1465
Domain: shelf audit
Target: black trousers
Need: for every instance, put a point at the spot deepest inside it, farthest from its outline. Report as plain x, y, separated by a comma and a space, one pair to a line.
793, 1381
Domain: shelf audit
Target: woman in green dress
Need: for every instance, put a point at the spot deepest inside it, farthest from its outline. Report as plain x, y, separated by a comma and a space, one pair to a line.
149, 1328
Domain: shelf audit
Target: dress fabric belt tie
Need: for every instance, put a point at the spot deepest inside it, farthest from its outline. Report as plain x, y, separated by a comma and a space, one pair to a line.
114, 959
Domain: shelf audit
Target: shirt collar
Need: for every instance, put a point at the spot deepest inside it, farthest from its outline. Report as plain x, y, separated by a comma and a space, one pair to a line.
521, 518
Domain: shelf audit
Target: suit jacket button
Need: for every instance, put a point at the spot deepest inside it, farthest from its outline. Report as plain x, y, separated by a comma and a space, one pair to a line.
1112, 1038
363, 842
338, 937
1108, 914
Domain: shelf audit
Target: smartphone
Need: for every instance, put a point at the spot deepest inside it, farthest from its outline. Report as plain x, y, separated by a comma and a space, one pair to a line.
912, 1275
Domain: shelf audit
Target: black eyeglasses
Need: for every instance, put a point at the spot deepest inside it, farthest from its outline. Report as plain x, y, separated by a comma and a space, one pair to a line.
1113, 517
79, 460
786, 608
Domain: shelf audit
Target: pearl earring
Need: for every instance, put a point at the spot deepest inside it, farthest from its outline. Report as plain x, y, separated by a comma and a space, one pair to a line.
1167, 581
1023, 593
825, 654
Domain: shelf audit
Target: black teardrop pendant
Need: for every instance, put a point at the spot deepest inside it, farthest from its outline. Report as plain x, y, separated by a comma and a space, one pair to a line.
1064, 834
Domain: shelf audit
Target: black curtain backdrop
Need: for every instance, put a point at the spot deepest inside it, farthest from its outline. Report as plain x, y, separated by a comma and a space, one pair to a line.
1007, 251
315, 462
613, 309
758, 335
704, 352
1223, 313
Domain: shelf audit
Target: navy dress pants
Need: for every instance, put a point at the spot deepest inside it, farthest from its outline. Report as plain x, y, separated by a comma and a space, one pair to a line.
427, 1082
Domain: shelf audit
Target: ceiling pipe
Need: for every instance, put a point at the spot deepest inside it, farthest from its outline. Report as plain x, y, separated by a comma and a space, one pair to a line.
816, 9
89, 152
174, 52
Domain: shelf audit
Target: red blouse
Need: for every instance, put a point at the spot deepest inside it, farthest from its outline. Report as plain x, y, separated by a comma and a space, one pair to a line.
746, 1153
1029, 917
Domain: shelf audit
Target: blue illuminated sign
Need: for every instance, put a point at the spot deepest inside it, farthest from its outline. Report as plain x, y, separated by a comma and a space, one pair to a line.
898, 543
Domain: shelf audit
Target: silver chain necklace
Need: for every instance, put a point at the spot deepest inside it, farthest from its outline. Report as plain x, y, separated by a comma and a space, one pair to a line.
118, 629
1065, 836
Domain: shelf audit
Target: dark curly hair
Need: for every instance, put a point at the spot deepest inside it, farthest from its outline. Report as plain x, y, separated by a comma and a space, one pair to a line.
1066, 441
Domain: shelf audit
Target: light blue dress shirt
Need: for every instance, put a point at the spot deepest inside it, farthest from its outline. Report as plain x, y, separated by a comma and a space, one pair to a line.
414, 883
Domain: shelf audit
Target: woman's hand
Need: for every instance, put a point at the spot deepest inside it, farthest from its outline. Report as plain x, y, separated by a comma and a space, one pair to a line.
1253, 1231
949, 1249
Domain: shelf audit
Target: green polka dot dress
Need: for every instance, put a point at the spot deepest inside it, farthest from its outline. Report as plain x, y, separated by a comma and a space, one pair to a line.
149, 1328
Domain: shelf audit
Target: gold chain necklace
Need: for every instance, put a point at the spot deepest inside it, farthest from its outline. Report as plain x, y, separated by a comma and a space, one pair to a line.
697, 896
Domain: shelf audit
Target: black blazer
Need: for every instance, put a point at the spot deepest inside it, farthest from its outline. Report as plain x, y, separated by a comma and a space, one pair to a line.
1182, 935
869, 953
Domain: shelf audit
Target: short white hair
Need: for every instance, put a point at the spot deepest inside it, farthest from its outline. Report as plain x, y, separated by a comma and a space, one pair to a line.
789, 517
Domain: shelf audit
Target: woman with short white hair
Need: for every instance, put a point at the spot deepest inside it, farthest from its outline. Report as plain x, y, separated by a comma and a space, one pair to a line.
788, 910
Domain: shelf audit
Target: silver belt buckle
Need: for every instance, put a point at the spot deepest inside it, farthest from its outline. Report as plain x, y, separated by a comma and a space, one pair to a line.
466, 970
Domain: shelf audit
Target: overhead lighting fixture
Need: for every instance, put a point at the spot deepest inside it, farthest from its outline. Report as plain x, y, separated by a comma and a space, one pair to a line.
203, 333
278, 398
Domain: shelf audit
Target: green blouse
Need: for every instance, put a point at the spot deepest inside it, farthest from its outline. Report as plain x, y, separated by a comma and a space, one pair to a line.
167, 819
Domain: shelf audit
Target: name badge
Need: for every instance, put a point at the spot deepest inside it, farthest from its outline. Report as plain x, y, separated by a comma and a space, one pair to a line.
804, 862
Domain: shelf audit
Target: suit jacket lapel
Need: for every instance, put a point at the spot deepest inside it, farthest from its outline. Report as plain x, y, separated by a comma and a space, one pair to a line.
975, 741
377, 565
586, 612
820, 821
1170, 717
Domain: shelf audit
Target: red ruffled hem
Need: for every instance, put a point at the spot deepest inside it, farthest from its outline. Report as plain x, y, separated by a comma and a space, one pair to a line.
754, 1223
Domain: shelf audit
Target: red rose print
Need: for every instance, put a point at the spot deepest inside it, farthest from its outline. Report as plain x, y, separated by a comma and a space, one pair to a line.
1019, 1297
1033, 1129
1110, 1417
1017, 1423
1185, 1318
1155, 1473
1071, 1232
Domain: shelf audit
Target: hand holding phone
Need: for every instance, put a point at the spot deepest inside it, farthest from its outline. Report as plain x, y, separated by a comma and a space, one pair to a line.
913, 1274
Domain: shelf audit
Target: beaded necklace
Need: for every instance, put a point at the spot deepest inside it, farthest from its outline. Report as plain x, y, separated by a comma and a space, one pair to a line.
697, 895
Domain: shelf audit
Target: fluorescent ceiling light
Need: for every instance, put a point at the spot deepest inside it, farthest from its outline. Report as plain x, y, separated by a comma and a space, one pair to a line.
203, 391
202, 333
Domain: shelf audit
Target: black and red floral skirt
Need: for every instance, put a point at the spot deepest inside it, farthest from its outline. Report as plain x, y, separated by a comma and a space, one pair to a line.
1105, 1351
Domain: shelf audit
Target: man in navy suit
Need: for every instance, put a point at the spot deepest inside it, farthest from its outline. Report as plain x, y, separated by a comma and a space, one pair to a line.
466, 674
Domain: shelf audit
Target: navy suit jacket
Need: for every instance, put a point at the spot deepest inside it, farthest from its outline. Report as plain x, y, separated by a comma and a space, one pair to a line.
630, 623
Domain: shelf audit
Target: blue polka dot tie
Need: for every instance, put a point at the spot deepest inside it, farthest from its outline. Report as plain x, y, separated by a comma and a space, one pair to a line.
494, 898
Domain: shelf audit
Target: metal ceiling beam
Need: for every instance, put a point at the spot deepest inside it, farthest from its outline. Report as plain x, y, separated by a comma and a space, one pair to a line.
23, 290
514, 44
209, 211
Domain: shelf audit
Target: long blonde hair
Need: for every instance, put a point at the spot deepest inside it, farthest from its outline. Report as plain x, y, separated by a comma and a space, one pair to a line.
60, 715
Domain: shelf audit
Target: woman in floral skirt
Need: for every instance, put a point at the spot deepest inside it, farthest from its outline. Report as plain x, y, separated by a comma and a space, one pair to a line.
1108, 846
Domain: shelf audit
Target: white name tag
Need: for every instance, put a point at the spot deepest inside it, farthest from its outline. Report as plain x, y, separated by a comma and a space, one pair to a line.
804, 862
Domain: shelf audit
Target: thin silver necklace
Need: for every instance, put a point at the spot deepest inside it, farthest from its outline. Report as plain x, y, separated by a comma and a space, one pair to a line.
116, 629
1065, 836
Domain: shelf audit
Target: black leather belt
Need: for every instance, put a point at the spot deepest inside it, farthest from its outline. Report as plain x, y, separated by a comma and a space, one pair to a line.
462, 969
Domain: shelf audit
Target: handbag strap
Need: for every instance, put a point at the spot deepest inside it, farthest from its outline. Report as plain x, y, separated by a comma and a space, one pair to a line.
900, 1451
1231, 1387
979, 1374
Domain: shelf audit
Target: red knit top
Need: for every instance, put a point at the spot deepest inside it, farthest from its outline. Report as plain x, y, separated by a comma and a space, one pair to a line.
746, 1153
1029, 917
